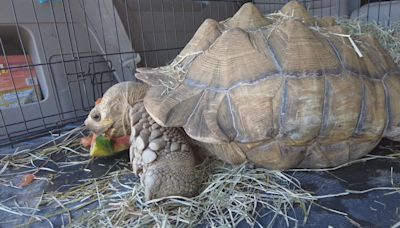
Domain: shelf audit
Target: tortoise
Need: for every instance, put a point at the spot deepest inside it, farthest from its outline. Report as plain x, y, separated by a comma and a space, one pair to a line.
281, 91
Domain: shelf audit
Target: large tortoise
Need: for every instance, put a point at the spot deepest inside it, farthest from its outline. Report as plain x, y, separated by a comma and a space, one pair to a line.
288, 91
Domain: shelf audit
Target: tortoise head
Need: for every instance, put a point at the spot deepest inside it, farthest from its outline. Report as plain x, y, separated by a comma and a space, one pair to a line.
110, 116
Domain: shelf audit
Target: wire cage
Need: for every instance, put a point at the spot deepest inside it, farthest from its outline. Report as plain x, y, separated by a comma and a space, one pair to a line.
58, 56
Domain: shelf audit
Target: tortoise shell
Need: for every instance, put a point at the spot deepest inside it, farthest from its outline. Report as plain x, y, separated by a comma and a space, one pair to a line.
286, 80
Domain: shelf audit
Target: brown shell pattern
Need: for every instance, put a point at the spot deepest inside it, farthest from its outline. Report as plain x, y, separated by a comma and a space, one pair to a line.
249, 79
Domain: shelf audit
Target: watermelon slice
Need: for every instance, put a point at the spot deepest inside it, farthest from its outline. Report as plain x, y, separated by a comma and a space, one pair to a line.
121, 143
102, 146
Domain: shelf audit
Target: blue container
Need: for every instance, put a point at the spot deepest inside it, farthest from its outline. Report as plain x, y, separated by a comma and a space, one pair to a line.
46, 1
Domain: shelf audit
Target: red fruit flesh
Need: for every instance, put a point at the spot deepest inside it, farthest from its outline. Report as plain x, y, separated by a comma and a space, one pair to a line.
121, 143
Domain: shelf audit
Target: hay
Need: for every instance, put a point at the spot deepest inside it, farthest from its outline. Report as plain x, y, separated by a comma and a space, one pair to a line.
230, 194
388, 36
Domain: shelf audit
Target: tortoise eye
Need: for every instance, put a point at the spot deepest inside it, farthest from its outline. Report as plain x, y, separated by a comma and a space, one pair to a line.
95, 116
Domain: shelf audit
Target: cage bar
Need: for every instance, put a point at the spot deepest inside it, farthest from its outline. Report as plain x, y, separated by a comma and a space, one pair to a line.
79, 48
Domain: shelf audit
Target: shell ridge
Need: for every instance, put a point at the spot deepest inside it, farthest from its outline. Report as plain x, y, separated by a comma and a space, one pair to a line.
233, 116
374, 115
275, 112
278, 64
325, 106
361, 113
211, 110
195, 108
388, 109
191, 82
253, 42
336, 51
284, 107
332, 47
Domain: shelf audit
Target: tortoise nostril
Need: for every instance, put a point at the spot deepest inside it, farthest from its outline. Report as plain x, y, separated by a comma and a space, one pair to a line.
95, 116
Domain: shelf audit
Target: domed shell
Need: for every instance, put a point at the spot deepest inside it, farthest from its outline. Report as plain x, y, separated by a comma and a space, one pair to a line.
249, 79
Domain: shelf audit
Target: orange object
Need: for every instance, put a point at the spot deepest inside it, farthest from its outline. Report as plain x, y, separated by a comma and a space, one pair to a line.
18, 78
27, 180
97, 101
121, 143
88, 141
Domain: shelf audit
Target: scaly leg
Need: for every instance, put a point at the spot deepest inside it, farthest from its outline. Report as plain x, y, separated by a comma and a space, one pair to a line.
162, 157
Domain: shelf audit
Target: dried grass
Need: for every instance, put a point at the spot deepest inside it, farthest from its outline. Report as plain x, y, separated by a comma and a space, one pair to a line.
230, 194
388, 36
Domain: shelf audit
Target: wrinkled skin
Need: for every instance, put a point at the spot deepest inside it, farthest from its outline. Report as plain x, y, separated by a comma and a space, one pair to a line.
162, 157
111, 115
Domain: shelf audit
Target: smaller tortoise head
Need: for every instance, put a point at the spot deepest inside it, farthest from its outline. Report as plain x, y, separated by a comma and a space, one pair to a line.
110, 116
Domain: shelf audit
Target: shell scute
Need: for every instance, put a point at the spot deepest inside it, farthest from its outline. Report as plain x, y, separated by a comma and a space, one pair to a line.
230, 60
299, 50
248, 79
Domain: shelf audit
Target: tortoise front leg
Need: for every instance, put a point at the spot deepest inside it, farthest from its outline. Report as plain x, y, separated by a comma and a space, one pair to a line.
162, 157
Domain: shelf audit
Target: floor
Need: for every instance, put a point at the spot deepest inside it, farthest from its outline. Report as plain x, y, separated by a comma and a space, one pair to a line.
367, 198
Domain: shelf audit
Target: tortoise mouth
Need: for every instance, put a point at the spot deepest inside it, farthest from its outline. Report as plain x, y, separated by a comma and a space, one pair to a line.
106, 132
109, 132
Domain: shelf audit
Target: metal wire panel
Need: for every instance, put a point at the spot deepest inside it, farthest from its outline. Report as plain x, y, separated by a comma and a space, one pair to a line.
76, 49
384, 12
318, 8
